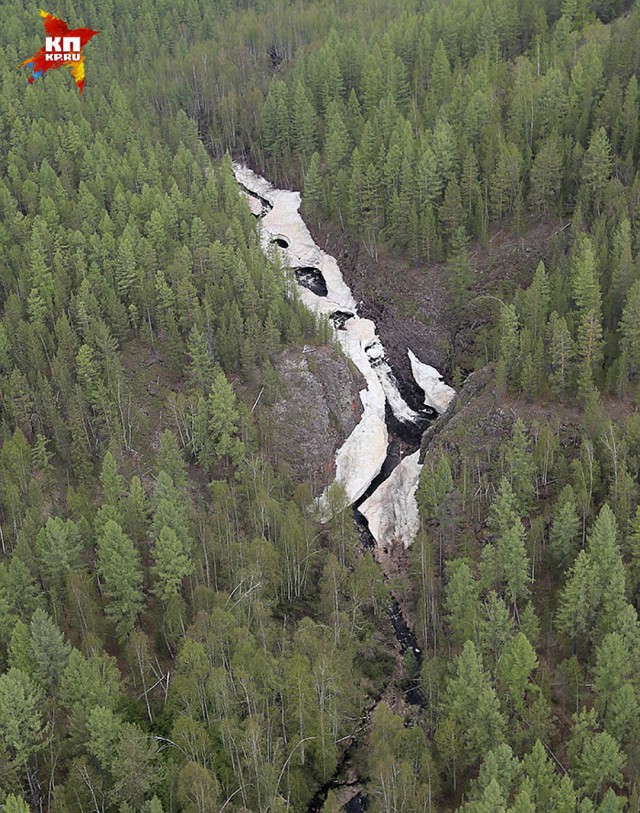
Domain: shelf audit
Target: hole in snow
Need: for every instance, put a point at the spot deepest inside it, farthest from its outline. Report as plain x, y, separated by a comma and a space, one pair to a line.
340, 318
374, 351
312, 279
280, 240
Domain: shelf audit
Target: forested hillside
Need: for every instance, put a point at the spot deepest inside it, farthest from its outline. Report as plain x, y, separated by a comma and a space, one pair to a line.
170, 637
177, 631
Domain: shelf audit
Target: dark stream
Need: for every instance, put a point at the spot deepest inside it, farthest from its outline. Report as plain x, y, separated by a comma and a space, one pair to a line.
356, 805
266, 206
403, 439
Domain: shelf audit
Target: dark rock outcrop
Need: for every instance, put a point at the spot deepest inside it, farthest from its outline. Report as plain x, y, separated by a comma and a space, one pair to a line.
317, 408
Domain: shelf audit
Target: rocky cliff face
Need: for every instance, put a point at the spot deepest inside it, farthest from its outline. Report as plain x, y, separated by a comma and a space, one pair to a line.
476, 415
318, 406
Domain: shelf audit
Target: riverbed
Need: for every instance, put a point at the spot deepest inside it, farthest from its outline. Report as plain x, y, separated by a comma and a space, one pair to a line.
378, 465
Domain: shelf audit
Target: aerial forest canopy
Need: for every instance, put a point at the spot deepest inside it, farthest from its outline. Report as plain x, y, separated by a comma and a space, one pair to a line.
178, 631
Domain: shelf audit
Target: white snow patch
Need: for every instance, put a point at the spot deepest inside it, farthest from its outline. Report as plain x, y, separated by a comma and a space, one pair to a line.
254, 204
392, 510
284, 220
437, 394
360, 458
399, 407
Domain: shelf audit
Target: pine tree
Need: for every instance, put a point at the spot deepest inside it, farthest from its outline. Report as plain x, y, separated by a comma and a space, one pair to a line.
104, 727
577, 606
303, 123
58, 547
459, 276
622, 273
470, 191
586, 293
170, 510
440, 78
429, 180
611, 803
495, 629
546, 175
595, 589
136, 511
508, 347
49, 649
198, 789
451, 211
563, 795
604, 553
630, 120
170, 460
595, 757
565, 530
40, 455
201, 364
561, 354
505, 180
512, 563
501, 766
313, 188
462, 601
336, 141
584, 276
519, 463
134, 768
503, 512
523, 803
515, 668
13, 804
614, 695
536, 305
21, 724
630, 333
435, 483
113, 484
354, 117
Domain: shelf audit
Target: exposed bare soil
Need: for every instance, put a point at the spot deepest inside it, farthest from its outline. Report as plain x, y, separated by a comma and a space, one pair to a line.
409, 302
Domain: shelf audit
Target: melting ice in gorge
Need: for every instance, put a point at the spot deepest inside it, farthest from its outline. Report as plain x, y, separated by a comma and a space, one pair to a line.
360, 458
437, 394
401, 410
312, 279
391, 510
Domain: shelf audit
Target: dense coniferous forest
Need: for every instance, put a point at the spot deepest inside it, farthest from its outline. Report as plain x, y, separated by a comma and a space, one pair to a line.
178, 631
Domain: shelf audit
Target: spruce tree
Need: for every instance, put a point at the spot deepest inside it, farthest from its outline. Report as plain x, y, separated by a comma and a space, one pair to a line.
171, 564
119, 567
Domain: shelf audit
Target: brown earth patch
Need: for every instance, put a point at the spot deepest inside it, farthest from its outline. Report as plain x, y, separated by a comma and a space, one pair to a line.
410, 303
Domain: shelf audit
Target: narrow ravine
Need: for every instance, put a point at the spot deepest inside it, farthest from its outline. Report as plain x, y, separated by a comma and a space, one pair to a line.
378, 463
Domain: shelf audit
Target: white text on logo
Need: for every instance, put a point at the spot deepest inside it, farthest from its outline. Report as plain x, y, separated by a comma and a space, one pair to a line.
62, 49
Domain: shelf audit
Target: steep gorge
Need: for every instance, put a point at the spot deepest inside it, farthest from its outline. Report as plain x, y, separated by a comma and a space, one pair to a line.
378, 465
